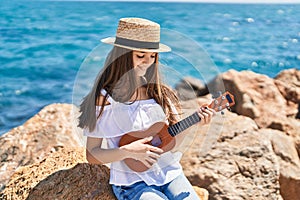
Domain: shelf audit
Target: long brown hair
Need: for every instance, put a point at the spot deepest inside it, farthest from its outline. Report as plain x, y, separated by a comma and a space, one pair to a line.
118, 79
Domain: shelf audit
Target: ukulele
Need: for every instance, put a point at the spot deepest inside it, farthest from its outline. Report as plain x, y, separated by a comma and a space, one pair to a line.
163, 135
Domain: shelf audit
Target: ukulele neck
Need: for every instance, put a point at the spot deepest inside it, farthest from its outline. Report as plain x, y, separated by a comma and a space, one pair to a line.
183, 124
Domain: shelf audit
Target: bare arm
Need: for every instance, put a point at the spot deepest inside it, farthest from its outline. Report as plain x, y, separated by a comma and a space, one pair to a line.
97, 155
137, 150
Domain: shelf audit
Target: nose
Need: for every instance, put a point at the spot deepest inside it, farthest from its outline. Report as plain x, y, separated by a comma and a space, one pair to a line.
146, 60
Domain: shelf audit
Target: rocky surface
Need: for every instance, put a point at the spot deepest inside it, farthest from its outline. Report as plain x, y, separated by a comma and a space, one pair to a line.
35, 139
255, 154
59, 169
62, 175
257, 97
288, 83
250, 154
239, 165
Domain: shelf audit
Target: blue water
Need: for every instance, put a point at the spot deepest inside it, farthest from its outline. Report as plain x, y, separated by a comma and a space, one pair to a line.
43, 44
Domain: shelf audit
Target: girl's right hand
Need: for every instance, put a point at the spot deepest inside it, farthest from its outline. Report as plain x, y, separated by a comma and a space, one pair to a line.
143, 152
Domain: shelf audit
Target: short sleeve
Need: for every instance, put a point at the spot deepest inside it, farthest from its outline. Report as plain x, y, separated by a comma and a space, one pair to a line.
88, 133
103, 128
118, 119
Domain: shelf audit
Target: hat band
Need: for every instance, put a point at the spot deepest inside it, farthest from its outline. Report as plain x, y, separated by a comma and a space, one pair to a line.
136, 44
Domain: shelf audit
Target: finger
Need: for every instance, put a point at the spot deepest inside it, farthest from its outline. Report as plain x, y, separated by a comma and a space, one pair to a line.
145, 162
209, 111
200, 113
203, 116
153, 155
155, 149
151, 161
206, 117
146, 139
148, 161
212, 111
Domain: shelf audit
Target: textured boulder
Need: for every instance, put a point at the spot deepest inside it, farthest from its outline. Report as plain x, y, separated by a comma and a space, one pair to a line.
62, 175
201, 192
36, 138
233, 162
235, 157
288, 83
285, 150
257, 96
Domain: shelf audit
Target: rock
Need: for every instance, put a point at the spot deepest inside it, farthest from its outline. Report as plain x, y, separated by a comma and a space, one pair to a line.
256, 95
190, 88
298, 114
62, 175
289, 187
288, 83
201, 192
222, 128
242, 168
232, 160
285, 149
289, 126
84, 181
44, 133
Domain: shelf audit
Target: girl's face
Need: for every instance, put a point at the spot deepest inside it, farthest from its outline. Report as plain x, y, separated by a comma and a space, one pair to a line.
142, 61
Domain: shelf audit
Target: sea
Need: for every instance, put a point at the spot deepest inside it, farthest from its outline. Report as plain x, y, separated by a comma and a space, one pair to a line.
50, 51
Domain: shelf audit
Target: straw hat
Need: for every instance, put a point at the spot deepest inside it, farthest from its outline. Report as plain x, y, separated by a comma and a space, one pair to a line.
138, 34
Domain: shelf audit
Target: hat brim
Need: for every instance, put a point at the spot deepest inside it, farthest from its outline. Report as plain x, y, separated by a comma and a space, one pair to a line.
111, 41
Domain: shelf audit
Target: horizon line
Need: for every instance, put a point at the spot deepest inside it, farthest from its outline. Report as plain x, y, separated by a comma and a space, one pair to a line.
202, 1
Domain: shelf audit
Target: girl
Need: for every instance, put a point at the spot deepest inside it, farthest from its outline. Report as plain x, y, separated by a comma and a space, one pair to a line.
128, 96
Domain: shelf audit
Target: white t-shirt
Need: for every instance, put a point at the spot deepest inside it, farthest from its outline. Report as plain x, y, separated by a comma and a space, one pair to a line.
118, 119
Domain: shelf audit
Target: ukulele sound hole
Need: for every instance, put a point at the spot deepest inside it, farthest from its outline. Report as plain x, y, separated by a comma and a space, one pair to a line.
156, 141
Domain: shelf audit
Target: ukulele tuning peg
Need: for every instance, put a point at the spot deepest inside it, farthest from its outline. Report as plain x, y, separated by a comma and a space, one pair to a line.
222, 113
229, 109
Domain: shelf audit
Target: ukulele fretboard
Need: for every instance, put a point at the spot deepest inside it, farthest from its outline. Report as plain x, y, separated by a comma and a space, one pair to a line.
183, 124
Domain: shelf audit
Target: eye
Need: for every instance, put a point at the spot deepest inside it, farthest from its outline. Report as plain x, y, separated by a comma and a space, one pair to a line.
140, 56
152, 56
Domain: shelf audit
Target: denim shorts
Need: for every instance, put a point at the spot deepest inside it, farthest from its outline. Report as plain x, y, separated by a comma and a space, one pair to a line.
178, 189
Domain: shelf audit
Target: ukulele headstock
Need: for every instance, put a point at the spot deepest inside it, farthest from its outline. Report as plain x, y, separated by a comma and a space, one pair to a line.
225, 100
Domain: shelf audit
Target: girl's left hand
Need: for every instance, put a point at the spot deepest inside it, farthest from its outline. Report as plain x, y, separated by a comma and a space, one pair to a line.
206, 114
